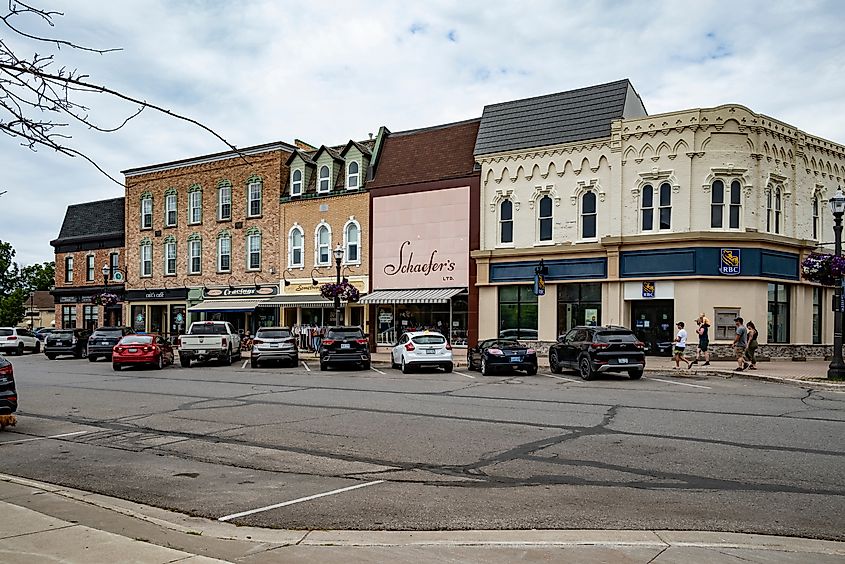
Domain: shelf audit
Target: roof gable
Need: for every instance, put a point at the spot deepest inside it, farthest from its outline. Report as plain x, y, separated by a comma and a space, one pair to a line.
103, 218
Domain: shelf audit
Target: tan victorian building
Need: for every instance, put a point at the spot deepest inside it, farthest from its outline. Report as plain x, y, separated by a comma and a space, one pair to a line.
203, 239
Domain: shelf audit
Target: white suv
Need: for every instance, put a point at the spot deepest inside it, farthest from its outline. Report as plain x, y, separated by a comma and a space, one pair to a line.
14, 340
421, 348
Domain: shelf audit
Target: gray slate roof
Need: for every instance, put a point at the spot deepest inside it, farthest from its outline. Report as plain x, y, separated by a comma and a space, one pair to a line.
104, 218
565, 117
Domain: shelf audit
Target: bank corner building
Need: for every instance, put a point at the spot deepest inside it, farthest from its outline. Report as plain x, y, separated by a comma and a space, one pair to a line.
645, 221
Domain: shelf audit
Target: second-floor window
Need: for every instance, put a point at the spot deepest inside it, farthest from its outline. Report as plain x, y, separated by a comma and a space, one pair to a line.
194, 255
147, 212
195, 207
146, 258
69, 269
545, 218
720, 202
170, 210
170, 256
588, 215
663, 204
224, 202
816, 224
774, 202
352, 176
323, 245
506, 222
89, 268
253, 248
114, 264
224, 253
323, 186
295, 244
254, 198
296, 183
353, 243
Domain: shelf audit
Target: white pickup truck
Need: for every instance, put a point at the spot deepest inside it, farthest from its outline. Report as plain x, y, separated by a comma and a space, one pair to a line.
209, 339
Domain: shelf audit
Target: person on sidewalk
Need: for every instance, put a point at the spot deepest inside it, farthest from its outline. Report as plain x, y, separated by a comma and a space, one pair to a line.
751, 350
681, 346
740, 343
703, 340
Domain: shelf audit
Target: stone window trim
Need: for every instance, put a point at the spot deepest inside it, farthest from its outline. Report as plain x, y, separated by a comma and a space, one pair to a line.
224, 198
146, 256
499, 196
351, 222
296, 179
146, 211
296, 228
170, 245
317, 245
584, 215
818, 204
775, 209
194, 189
327, 178
224, 238
171, 195
254, 184
350, 174
728, 175
252, 234
194, 238
583, 186
655, 178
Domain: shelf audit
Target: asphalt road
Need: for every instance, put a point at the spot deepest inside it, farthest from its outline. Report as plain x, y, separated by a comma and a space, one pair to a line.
437, 451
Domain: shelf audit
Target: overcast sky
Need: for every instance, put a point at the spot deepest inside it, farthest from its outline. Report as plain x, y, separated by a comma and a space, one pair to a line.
325, 72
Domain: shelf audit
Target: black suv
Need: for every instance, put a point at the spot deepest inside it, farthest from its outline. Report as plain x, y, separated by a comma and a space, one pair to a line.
67, 341
103, 340
344, 345
591, 350
8, 395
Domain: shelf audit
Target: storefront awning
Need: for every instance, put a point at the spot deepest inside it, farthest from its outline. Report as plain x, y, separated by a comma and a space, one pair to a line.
415, 296
229, 305
298, 301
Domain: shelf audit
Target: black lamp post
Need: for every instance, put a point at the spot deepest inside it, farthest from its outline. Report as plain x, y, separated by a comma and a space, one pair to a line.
338, 257
31, 312
836, 370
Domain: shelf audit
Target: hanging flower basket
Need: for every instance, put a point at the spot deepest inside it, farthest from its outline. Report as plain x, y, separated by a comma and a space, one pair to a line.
105, 299
345, 291
823, 268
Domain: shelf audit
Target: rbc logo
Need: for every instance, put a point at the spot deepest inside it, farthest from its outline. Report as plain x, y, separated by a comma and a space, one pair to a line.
729, 262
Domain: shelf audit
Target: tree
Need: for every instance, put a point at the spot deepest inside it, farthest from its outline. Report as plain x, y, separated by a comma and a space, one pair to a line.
12, 307
36, 277
9, 272
39, 97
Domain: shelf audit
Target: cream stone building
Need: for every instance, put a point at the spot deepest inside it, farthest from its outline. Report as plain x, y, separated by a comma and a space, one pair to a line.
645, 221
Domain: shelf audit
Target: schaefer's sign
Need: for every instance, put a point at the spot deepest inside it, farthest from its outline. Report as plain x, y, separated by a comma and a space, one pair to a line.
240, 292
730, 262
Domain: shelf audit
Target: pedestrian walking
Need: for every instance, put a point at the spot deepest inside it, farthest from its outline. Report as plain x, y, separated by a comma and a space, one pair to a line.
740, 343
751, 350
315, 338
681, 346
703, 331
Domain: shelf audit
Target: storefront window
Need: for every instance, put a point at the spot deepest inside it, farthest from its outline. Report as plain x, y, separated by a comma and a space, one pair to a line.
817, 316
139, 318
90, 317
778, 318
69, 317
578, 304
178, 318
517, 312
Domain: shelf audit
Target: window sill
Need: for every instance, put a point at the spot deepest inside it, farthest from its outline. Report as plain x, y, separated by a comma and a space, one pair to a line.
259, 216
195, 273
505, 246
253, 269
146, 229
195, 223
296, 266
170, 275
171, 226
544, 243
224, 272
229, 220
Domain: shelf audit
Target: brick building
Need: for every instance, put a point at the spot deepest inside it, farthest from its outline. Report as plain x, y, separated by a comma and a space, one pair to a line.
91, 238
203, 239
324, 206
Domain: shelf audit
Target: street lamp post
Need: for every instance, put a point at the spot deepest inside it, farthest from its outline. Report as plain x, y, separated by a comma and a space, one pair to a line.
106, 272
338, 257
31, 310
836, 370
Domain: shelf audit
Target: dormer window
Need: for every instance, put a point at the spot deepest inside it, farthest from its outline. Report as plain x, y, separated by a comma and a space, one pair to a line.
352, 176
323, 185
296, 183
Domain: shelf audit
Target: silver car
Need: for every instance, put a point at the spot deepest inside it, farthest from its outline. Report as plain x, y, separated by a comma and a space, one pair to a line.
274, 343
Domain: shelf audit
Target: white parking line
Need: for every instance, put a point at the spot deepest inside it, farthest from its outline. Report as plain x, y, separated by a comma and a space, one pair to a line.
305, 364
300, 500
462, 374
42, 438
245, 363
561, 378
680, 383
376, 370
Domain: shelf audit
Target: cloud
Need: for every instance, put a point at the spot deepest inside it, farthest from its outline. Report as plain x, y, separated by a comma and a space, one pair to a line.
260, 71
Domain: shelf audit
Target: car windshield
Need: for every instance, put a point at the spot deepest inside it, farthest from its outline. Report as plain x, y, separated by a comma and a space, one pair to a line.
106, 333
5, 332
136, 340
351, 333
615, 337
63, 333
429, 339
208, 329
272, 334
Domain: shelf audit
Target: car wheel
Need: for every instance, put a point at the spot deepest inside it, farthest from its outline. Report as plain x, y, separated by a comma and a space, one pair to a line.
78, 353
406, 368
294, 363
635, 374
51, 356
323, 366
366, 364
448, 367
185, 362
92, 358
585, 368
253, 363
37, 347
227, 360
19, 350
485, 370
531, 371
116, 366
554, 365
160, 364
469, 362
393, 362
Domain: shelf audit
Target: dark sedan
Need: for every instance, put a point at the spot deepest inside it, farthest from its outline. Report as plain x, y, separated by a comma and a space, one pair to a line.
502, 354
102, 341
8, 394
592, 350
344, 345
67, 342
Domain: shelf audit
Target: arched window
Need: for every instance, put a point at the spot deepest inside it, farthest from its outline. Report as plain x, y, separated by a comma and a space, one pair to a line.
170, 203
253, 249
254, 189
545, 218
588, 215
170, 256
224, 252
146, 211
194, 254
352, 242
665, 206
506, 222
774, 201
324, 179
296, 242
352, 176
322, 246
296, 183
816, 224
146, 258
718, 205
647, 204
778, 208
194, 204
224, 200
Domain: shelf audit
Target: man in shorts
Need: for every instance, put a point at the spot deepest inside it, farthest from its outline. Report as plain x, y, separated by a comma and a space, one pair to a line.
740, 343
681, 346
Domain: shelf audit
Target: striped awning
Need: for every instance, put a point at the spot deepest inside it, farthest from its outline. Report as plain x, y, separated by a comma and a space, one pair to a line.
414, 296
228, 305
298, 301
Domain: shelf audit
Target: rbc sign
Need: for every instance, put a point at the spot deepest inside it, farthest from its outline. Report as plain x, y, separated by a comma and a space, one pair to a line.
729, 262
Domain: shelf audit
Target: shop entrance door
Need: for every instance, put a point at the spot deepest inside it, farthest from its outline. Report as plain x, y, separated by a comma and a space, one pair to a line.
652, 322
158, 319
356, 316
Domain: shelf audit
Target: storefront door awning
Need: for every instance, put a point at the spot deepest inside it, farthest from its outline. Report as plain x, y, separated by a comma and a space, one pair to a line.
414, 296
228, 305
299, 301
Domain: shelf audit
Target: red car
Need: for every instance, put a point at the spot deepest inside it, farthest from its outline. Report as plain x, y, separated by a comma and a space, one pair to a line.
142, 349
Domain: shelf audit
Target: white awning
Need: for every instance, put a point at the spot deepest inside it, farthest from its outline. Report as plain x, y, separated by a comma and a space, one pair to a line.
299, 301
415, 296
229, 305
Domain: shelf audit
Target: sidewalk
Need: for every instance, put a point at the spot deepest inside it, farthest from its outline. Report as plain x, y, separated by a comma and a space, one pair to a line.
42, 522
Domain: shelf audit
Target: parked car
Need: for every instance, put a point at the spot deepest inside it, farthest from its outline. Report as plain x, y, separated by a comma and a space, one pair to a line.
42, 333
67, 342
493, 355
14, 340
8, 394
150, 349
207, 340
593, 350
344, 345
274, 343
102, 341
417, 349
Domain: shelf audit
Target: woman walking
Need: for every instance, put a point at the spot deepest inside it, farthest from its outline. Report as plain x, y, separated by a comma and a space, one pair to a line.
703, 340
751, 350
